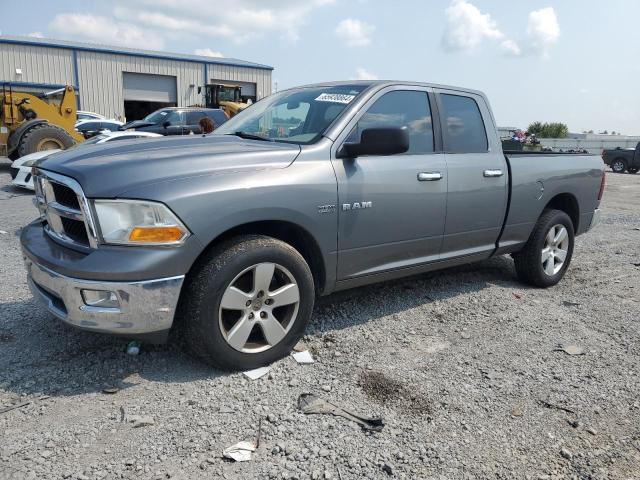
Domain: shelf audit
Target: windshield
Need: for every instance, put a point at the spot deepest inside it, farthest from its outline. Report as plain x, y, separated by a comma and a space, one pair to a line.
157, 116
295, 116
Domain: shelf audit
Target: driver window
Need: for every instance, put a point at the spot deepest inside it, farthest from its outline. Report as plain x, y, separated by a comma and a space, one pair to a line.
404, 109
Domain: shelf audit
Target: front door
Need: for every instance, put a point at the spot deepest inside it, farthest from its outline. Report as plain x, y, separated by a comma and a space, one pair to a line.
477, 174
391, 209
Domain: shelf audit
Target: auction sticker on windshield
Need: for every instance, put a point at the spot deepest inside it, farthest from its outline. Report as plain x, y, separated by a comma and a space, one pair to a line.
335, 98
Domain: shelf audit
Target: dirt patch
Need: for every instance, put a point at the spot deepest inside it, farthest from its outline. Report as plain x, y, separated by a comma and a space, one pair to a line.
388, 391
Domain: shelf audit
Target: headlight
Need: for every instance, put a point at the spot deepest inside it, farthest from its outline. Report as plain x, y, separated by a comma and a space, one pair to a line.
138, 222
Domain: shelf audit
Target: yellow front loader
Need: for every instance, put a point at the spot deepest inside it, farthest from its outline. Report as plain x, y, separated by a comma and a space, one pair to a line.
226, 97
31, 122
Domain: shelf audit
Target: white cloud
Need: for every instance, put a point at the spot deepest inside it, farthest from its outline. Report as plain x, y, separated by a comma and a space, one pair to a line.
96, 28
467, 27
362, 74
207, 52
543, 30
355, 33
509, 47
35, 35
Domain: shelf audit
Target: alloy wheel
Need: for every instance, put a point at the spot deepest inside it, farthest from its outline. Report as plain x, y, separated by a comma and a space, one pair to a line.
556, 247
259, 307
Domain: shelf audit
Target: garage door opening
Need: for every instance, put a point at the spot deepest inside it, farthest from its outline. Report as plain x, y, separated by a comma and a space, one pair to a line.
247, 90
144, 94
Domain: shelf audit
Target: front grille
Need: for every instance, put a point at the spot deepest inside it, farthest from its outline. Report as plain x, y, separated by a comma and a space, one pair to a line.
65, 196
75, 230
63, 206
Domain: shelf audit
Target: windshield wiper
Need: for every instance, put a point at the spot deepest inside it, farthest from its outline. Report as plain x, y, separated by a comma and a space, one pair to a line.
250, 136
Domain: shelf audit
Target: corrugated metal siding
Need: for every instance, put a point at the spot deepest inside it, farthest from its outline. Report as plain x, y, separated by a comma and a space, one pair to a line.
262, 78
100, 78
100, 74
38, 64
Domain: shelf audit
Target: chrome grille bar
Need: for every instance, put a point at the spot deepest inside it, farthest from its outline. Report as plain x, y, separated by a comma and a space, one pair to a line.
56, 214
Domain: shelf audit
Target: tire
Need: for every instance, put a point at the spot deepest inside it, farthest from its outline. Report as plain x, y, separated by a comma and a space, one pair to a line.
44, 136
618, 165
633, 169
234, 271
530, 267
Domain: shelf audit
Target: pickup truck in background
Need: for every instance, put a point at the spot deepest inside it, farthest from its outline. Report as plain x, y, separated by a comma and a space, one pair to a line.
230, 237
623, 159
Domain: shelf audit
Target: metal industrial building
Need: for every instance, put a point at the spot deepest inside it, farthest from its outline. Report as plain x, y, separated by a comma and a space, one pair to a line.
122, 82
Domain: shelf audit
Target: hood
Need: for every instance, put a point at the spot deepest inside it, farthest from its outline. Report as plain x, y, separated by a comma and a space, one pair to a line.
106, 170
136, 124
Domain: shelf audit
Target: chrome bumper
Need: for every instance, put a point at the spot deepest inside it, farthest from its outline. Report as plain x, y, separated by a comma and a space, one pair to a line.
144, 307
595, 220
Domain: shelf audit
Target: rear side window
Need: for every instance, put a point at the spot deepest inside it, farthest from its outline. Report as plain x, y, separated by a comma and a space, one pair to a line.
404, 109
462, 124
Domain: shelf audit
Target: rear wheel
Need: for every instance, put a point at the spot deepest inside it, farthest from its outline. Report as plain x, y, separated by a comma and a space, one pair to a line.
546, 256
247, 303
619, 165
633, 169
44, 136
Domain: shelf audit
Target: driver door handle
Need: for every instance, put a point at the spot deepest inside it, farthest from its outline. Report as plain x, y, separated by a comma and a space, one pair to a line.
492, 173
429, 176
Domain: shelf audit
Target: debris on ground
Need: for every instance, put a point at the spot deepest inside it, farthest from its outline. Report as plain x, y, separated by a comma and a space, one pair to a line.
141, 421
240, 452
566, 454
13, 407
133, 348
518, 295
110, 390
570, 349
568, 303
3, 232
257, 372
303, 357
517, 411
547, 404
309, 404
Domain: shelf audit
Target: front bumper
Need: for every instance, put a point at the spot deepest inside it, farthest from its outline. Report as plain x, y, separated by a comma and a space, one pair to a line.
146, 309
23, 178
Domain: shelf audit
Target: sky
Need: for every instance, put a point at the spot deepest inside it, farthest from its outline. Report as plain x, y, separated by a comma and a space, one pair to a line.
569, 61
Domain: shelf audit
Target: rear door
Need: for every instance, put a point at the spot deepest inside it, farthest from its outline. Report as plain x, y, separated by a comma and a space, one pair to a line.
477, 175
389, 215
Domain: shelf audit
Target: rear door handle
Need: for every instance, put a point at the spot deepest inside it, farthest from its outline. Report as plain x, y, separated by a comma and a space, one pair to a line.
429, 176
492, 173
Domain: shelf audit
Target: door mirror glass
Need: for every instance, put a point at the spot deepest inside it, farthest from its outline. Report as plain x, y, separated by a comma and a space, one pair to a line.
377, 141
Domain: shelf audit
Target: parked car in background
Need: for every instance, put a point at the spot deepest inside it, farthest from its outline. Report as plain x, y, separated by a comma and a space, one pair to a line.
623, 159
177, 120
311, 190
84, 115
90, 128
21, 168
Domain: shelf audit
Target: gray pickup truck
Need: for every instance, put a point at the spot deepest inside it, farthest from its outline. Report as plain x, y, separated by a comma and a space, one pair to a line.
228, 238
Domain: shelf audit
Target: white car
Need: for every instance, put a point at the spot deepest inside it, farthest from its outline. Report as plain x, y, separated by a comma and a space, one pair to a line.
83, 115
21, 168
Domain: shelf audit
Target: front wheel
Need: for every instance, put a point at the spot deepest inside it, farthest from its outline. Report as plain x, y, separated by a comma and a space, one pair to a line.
633, 169
247, 303
618, 165
546, 256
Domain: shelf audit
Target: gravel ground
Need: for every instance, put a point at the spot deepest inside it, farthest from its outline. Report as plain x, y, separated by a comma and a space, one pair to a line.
461, 364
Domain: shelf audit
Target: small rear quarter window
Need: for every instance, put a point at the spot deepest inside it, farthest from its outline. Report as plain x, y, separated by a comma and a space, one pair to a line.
463, 125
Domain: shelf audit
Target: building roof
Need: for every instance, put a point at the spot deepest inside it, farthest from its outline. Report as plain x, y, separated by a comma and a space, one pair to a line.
92, 47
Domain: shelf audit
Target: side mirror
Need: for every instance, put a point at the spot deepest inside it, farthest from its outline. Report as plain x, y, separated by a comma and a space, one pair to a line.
377, 141
166, 123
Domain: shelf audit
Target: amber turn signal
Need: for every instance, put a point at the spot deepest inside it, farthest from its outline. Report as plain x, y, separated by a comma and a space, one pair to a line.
156, 234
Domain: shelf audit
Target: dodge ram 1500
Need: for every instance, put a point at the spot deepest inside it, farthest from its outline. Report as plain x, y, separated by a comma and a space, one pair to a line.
231, 236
